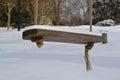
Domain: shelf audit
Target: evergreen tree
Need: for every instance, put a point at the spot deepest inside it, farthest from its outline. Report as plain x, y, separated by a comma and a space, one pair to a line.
107, 9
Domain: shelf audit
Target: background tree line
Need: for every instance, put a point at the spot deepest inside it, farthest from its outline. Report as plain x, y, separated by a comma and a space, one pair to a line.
52, 12
57, 12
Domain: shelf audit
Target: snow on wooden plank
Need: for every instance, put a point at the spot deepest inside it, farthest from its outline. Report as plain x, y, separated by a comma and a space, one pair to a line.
62, 36
63, 28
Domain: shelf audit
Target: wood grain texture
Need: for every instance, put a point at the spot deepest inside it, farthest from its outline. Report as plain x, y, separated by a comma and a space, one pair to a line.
61, 36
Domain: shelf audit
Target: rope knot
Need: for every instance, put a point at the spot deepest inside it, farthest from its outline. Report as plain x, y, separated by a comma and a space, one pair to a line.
38, 40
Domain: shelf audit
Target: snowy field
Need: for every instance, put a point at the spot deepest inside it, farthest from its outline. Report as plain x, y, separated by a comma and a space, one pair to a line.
23, 60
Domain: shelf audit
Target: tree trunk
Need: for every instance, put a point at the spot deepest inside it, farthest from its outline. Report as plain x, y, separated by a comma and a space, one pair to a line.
9, 19
36, 12
56, 11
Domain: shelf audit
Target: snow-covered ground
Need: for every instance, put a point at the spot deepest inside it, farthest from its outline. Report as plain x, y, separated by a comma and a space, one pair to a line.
23, 60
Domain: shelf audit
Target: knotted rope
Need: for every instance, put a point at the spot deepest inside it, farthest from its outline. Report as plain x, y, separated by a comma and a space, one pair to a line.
38, 40
86, 56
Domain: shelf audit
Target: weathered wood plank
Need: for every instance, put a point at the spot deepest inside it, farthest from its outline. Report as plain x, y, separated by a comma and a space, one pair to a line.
61, 36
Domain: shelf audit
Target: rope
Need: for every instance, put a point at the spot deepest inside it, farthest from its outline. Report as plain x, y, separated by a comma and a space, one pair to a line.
87, 61
38, 40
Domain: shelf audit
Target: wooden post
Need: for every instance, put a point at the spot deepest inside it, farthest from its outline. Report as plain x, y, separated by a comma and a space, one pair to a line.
90, 14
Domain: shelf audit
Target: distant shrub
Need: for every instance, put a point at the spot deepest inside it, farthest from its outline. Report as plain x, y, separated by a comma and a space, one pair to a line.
109, 9
108, 22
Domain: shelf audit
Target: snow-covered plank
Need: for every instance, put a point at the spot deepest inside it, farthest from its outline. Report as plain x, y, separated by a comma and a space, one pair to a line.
63, 28
62, 36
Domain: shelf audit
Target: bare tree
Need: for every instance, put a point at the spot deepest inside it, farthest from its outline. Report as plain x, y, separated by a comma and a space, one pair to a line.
74, 12
57, 10
45, 8
9, 5
32, 7
36, 12
39, 10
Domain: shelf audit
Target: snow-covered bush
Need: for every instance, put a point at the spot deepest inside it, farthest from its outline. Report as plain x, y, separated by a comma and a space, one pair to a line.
106, 9
108, 22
